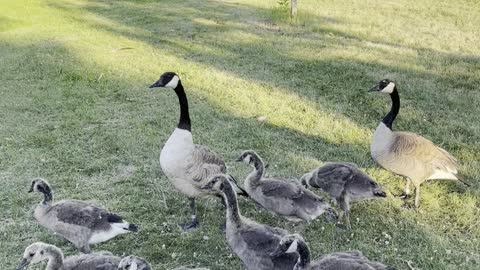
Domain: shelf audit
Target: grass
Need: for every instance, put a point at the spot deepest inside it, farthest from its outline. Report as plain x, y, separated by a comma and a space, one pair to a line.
76, 110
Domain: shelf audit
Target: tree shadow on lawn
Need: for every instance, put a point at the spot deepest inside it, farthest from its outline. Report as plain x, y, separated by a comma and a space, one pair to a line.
220, 34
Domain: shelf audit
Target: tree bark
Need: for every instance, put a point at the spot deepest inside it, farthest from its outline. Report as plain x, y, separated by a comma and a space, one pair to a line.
293, 8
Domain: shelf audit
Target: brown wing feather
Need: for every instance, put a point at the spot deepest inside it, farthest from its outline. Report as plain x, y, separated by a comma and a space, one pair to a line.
424, 151
205, 163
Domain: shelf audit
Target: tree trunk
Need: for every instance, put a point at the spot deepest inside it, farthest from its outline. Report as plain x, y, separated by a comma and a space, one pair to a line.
293, 8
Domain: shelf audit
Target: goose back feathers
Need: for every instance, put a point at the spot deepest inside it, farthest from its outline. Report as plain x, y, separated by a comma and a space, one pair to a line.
79, 222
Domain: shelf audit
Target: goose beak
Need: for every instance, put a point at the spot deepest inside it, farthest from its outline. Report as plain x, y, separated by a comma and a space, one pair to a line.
30, 190
239, 159
156, 84
23, 264
380, 193
376, 88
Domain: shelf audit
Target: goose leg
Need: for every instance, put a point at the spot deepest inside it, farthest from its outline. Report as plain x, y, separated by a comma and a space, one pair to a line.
85, 249
194, 223
417, 196
347, 219
406, 194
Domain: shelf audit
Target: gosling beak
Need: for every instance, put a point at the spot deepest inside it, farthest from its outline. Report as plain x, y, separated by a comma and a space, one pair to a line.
277, 252
380, 193
23, 264
376, 88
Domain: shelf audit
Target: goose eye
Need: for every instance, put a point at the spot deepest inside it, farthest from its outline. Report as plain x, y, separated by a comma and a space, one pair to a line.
41, 252
32, 254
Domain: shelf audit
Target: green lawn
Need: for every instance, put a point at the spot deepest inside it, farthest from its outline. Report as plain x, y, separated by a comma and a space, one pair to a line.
75, 109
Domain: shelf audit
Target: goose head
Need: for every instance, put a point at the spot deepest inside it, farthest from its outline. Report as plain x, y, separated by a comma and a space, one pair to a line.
248, 157
385, 86
167, 80
216, 184
288, 244
364, 188
35, 253
305, 179
133, 263
40, 185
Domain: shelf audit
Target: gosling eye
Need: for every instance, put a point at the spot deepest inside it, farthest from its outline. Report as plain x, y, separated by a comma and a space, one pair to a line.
373, 184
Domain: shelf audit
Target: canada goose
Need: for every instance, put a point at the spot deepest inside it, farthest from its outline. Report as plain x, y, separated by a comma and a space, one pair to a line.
79, 222
134, 263
287, 198
409, 154
294, 244
186, 165
38, 252
250, 241
345, 183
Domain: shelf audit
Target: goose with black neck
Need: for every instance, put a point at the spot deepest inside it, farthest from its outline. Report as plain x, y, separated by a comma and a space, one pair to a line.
186, 165
406, 153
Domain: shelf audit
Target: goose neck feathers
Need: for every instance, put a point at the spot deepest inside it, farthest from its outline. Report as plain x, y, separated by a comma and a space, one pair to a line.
256, 175
304, 256
184, 122
233, 212
390, 117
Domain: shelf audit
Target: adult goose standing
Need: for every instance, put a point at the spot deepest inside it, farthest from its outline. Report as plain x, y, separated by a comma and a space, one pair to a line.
38, 252
286, 198
250, 241
350, 260
186, 165
77, 221
406, 153
345, 183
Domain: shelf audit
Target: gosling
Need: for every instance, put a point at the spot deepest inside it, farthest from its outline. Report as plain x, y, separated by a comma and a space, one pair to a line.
345, 183
39, 252
79, 222
286, 198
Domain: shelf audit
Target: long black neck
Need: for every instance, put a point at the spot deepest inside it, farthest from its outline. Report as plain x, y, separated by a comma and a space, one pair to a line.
233, 213
184, 122
390, 117
304, 256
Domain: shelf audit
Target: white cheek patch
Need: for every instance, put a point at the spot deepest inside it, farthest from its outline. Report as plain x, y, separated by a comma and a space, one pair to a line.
293, 247
173, 82
248, 159
389, 88
133, 266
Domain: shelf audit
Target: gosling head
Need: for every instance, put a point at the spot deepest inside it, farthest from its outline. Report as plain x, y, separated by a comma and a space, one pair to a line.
33, 254
288, 244
216, 184
305, 179
385, 86
134, 263
40, 185
363, 187
249, 157
167, 80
